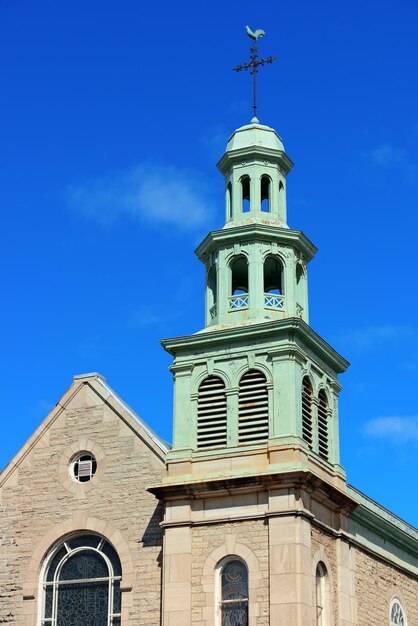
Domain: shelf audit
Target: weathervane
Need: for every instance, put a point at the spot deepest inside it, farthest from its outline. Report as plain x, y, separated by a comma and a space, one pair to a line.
254, 64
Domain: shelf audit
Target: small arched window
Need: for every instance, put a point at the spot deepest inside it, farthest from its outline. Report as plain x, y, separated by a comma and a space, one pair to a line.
229, 201
82, 583
307, 394
300, 289
239, 273
273, 283
211, 413
322, 596
245, 190
397, 615
253, 410
234, 593
212, 291
265, 194
323, 445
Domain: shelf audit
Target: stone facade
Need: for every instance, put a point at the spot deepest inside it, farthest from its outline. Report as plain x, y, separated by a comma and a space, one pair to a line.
41, 503
377, 583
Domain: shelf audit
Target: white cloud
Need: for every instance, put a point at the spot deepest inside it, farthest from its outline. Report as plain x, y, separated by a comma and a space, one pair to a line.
388, 155
399, 429
392, 157
157, 195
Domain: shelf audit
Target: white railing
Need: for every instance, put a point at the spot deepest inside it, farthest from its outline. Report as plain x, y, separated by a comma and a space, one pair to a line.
274, 301
238, 302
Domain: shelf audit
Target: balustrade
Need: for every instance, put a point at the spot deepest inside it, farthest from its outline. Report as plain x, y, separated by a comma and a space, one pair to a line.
274, 301
239, 301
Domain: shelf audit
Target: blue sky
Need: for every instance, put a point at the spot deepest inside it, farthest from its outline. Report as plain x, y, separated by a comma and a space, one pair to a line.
113, 116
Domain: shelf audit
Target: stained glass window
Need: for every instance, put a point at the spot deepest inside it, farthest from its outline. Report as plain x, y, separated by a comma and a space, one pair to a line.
397, 617
234, 594
82, 584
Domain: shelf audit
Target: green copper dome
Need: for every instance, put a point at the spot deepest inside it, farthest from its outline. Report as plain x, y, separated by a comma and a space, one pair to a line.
255, 134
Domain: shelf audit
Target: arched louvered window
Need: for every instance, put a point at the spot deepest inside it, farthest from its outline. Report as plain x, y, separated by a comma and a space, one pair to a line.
307, 393
322, 596
397, 615
323, 444
211, 413
234, 594
253, 412
81, 584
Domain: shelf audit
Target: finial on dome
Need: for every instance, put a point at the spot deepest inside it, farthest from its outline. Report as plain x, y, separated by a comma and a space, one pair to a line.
255, 120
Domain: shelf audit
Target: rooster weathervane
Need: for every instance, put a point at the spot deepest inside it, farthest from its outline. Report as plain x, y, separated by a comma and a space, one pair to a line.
254, 64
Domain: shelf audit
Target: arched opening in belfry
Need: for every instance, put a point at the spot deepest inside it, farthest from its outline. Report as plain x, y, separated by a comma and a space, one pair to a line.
245, 189
300, 289
239, 275
265, 194
229, 201
212, 291
273, 275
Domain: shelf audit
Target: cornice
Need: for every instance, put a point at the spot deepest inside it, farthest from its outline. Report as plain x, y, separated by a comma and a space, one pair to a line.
317, 488
232, 156
254, 232
292, 329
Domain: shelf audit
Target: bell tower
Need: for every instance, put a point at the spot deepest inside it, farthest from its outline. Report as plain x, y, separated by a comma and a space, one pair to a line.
255, 458
256, 390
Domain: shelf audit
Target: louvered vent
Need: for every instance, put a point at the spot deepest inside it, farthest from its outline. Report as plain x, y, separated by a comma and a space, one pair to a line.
323, 425
211, 413
307, 411
253, 412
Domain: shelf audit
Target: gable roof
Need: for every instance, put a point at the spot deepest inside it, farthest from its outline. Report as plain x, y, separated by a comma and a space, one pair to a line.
97, 383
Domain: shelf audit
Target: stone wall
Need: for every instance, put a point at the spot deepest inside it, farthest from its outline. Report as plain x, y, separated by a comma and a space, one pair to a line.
210, 544
41, 503
377, 583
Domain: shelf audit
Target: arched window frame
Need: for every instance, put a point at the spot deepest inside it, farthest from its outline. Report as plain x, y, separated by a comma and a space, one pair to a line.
275, 301
253, 428
211, 425
212, 291
228, 200
266, 180
397, 615
320, 559
218, 588
307, 420
240, 300
324, 421
113, 579
245, 183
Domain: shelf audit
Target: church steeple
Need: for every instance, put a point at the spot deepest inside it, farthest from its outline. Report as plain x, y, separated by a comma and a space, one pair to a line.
255, 391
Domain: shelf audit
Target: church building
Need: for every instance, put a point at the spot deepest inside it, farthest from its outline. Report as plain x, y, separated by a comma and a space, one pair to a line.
247, 518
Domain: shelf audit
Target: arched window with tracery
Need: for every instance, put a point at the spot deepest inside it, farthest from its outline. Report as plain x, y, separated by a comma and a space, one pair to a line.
397, 614
211, 413
307, 395
81, 583
234, 593
322, 596
253, 408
